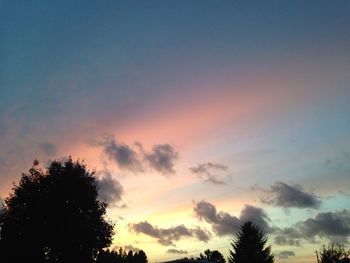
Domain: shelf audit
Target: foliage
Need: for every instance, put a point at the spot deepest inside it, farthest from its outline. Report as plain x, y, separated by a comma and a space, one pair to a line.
249, 246
213, 256
121, 256
54, 216
332, 253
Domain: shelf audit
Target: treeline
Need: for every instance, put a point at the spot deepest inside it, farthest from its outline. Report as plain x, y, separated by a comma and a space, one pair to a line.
121, 256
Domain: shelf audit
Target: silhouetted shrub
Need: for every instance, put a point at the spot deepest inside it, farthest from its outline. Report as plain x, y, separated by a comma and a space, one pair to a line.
213, 256
332, 253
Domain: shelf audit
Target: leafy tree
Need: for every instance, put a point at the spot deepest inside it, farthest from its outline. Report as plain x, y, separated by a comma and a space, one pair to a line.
332, 253
129, 257
140, 257
107, 256
213, 256
249, 246
54, 216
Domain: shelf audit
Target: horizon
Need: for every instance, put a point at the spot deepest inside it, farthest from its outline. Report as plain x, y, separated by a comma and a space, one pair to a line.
195, 115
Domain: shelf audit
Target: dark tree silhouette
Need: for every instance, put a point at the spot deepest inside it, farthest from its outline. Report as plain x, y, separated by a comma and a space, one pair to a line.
54, 216
140, 257
249, 246
121, 256
332, 253
213, 256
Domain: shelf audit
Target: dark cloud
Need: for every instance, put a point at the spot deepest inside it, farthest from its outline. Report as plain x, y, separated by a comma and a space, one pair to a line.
49, 149
285, 241
285, 254
132, 248
176, 251
284, 195
207, 171
201, 234
134, 158
124, 156
226, 224
256, 215
162, 158
109, 189
167, 236
334, 226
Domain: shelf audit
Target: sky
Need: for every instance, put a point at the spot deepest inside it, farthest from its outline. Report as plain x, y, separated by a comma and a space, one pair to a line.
196, 116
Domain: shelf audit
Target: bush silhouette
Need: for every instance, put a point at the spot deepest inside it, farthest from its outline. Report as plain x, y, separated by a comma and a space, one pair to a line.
213, 256
248, 246
54, 216
332, 253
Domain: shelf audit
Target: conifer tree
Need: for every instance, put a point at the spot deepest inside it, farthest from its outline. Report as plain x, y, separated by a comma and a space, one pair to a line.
248, 246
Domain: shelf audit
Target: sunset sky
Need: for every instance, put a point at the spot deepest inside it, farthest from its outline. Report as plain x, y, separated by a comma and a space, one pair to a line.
195, 115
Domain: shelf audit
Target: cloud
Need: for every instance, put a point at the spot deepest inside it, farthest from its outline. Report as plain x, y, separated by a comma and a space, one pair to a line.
176, 251
226, 224
162, 158
287, 196
256, 215
110, 189
122, 154
167, 236
285, 254
334, 226
131, 248
49, 149
206, 171
284, 241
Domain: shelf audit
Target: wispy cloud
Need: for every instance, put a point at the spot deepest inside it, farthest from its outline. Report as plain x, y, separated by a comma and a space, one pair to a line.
285, 254
208, 172
177, 251
48, 148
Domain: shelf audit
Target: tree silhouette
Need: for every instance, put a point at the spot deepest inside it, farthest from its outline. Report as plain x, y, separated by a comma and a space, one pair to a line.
54, 216
121, 256
140, 257
332, 253
249, 246
213, 256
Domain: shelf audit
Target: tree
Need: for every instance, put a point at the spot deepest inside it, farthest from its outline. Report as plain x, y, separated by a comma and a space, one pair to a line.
54, 216
140, 257
213, 256
120, 256
249, 246
332, 253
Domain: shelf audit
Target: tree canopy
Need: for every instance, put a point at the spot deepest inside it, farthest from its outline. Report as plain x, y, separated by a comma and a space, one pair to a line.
213, 256
248, 246
54, 216
112, 256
